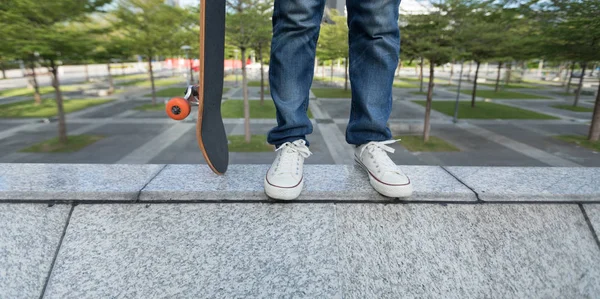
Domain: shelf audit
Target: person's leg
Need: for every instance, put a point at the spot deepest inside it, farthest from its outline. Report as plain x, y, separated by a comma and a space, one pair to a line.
374, 49
296, 25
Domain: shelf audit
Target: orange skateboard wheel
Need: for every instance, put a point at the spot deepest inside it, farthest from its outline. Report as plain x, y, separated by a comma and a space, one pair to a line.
178, 108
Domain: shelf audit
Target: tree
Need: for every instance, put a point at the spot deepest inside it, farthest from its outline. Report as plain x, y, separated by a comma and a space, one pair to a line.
481, 35
48, 30
151, 28
333, 40
242, 25
573, 31
262, 39
431, 37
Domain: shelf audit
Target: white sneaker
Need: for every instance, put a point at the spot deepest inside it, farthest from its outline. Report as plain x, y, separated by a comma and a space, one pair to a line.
285, 178
385, 177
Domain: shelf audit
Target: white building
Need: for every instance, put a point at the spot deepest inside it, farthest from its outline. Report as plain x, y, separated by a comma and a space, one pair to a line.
407, 7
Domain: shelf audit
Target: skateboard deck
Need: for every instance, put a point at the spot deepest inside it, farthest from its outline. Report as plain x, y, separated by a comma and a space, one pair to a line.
208, 94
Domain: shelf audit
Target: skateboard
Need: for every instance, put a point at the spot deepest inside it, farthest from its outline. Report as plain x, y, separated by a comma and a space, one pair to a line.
207, 95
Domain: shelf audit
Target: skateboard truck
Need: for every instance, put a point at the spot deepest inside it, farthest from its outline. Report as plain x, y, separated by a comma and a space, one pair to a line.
179, 108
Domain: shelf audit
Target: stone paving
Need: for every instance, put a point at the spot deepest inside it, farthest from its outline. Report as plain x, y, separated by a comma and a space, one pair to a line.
147, 231
149, 137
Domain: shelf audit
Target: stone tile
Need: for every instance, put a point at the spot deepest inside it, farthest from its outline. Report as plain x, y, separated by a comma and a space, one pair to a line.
593, 213
466, 251
198, 251
323, 182
564, 184
73, 181
29, 237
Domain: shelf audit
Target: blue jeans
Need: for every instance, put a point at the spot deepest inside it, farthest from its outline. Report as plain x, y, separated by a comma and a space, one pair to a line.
374, 40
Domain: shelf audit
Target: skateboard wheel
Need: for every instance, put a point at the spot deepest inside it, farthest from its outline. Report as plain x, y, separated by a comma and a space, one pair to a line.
178, 108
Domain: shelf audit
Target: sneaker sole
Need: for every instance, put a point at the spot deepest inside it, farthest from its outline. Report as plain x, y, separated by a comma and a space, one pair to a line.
394, 191
282, 193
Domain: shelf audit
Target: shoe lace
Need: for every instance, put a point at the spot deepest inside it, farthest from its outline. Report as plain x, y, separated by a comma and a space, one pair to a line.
289, 160
377, 151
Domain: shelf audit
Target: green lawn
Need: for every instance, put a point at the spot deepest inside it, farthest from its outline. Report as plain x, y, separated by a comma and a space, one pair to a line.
74, 143
16, 92
337, 93
513, 85
258, 143
415, 143
504, 94
132, 77
425, 80
174, 92
46, 109
257, 83
403, 84
485, 110
329, 79
581, 141
157, 82
235, 109
575, 109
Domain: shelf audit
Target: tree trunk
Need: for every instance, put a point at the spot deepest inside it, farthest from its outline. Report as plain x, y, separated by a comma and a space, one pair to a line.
469, 71
398, 67
346, 73
87, 74
62, 125
111, 83
331, 79
451, 72
595, 126
578, 91
421, 76
508, 73
475, 85
564, 78
36, 87
570, 77
152, 79
541, 68
262, 77
246, 101
498, 77
427, 127
3, 70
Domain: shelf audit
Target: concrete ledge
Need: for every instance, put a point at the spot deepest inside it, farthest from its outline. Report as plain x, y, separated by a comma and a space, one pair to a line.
578, 184
160, 183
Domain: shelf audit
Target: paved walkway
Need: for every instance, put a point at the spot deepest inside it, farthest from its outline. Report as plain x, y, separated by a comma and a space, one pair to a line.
149, 137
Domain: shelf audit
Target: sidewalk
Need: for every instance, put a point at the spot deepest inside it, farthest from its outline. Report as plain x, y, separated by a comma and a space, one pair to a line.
166, 231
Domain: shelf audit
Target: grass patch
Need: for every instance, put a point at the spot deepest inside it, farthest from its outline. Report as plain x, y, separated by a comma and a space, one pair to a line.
337, 93
258, 143
581, 141
485, 110
504, 94
425, 80
146, 82
18, 92
131, 76
329, 79
415, 143
402, 84
257, 83
235, 109
74, 143
512, 85
574, 109
46, 109
174, 92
